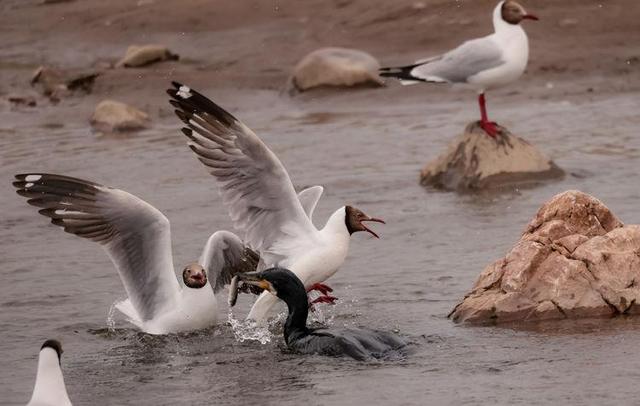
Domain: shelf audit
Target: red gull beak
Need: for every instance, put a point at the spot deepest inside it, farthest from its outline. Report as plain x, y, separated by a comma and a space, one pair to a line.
367, 229
530, 17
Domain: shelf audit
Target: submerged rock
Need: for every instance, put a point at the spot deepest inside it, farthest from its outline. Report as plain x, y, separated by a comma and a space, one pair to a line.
142, 55
574, 260
476, 161
112, 116
335, 67
55, 83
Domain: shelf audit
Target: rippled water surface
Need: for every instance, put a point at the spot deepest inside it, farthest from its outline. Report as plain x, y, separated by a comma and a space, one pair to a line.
433, 247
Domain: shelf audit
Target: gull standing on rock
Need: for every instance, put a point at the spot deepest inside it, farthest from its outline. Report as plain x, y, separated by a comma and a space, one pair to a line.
484, 63
49, 389
261, 199
137, 238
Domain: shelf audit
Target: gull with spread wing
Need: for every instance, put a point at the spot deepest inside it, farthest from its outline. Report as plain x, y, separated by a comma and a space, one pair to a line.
137, 238
261, 199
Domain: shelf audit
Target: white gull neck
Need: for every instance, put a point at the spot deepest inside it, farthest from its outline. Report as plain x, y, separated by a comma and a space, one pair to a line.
337, 223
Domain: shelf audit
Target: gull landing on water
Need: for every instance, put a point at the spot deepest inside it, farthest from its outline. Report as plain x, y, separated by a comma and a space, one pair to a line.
484, 63
137, 238
49, 389
261, 199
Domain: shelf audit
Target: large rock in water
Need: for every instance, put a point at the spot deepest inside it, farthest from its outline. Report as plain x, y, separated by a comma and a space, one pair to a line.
335, 67
476, 161
575, 260
112, 116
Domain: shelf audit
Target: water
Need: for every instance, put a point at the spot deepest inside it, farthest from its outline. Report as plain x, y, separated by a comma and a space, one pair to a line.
367, 151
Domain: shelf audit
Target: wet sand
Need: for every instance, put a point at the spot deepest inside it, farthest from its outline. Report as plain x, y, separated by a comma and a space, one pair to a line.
577, 102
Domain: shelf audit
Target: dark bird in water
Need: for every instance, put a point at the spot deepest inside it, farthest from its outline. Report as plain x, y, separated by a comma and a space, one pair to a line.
360, 344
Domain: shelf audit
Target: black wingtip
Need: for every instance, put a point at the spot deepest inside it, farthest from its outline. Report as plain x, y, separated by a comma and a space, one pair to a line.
54, 344
175, 84
196, 102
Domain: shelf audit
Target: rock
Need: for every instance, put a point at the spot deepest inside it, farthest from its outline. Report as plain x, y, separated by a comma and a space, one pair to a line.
335, 67
56, 84
22, 99
112, 116
476, 161
143, 55
574, 260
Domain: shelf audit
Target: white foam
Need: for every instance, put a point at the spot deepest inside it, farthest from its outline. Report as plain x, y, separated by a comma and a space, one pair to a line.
184, 92
33, 178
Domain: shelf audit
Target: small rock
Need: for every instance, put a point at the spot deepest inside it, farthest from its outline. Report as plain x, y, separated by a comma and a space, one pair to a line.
476, 161
56, 84
143, 55
22, 100
574, 260
335, 67
112, 116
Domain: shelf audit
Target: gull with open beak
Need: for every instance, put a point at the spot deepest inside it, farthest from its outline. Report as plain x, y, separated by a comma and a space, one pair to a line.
261, 199
483, 63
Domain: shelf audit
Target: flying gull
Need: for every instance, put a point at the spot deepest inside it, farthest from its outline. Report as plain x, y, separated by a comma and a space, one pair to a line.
261, 199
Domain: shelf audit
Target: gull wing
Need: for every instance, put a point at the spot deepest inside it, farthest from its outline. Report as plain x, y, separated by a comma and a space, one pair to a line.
135, 235
254, 184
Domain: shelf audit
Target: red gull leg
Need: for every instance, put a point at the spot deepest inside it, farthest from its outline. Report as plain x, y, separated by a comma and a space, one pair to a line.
320, 287
322, 299
489, 127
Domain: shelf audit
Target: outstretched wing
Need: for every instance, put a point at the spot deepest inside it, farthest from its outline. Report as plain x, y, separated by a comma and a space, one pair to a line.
254, 184
309, 198
135, 235
224, 256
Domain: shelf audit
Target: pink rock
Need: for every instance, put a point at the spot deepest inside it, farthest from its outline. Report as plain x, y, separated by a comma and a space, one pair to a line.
574, 260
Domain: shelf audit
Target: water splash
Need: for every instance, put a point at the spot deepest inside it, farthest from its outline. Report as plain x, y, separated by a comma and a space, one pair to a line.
111, 320
249, 330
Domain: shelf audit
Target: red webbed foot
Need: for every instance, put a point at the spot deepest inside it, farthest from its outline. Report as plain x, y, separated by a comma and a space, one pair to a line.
322, 299
320, 287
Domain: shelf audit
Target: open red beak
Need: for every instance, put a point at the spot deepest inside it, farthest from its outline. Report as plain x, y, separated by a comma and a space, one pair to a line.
530, 17
367, 229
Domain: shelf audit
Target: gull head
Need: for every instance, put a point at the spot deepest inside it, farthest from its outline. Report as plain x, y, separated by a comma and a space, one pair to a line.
354, 220
194, 276
54, 345
514, 13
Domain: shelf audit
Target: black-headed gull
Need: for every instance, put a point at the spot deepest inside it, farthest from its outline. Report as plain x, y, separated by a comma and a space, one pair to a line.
49, 389
484, 63
137, 238
261, 199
